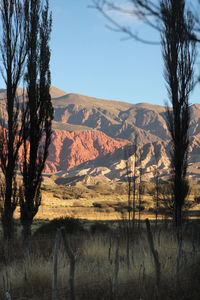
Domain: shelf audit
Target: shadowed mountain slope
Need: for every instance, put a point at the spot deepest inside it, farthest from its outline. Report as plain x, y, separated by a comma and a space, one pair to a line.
89, 134
116, 119
113, 166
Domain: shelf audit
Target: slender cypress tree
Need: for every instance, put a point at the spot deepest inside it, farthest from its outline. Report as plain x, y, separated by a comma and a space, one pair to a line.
179, 56
40, 111
13, 56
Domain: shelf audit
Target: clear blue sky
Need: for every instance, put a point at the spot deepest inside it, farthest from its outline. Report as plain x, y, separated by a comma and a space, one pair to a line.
89, 59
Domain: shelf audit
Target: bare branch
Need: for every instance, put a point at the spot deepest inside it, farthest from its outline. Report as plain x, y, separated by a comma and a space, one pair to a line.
101, 7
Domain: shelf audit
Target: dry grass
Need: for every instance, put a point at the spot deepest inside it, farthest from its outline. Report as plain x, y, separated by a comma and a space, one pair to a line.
100, 202
31, 275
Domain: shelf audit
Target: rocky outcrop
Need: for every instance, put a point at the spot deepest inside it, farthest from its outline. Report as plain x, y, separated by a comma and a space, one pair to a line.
90, 137
119, 119
151, 158
69, 149
116, 119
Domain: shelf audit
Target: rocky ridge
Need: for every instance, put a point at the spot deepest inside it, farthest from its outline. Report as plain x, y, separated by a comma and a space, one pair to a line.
116, 166
91, 137
69, 149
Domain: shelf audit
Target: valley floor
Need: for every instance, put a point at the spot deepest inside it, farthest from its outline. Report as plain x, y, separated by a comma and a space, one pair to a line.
100, 202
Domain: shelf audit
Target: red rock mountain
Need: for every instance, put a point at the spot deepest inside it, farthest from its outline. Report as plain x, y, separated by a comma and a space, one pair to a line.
69, 149
89, 134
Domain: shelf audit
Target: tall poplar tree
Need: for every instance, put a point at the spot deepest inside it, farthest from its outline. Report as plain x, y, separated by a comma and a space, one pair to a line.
178, 37
179, 56
13, 55
40, 110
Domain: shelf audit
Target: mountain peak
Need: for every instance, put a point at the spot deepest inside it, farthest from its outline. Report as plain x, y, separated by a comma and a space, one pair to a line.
56, 93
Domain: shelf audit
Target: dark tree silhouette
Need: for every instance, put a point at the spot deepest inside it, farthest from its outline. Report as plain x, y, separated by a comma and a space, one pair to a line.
13, 55
179, 29
40, 111
131, 170
146, 10
179, 57
156, 189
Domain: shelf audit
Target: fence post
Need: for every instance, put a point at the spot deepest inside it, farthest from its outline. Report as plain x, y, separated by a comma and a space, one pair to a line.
128, 247
155, 256
109, 250
72, 263
116, 271
178, 259
8, 297
55, 262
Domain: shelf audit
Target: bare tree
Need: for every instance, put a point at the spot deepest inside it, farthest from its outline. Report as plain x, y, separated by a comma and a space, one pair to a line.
134, 179
142, 9
140, 187
131, 178
156, 189
148, 11
13, 55
178, 36
179, 57
40, 110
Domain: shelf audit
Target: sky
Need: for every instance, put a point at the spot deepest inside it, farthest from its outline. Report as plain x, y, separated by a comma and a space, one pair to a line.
90, 59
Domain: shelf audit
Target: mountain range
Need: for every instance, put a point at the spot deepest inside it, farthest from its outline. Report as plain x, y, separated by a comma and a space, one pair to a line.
93, 138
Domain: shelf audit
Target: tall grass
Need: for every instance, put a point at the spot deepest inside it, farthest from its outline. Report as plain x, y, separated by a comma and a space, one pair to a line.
31, 275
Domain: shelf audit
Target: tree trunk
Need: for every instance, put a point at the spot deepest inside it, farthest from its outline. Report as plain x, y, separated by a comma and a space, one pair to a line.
179, 223
26, 231
8, 226
155, 257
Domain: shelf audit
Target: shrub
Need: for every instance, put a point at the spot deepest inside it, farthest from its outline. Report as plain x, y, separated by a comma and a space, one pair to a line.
71, 225
99, 227
197, 200
97, 205
140, 207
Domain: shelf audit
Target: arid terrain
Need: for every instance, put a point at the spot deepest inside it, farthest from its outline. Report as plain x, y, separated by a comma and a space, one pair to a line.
92, 154
86, 189
94, 137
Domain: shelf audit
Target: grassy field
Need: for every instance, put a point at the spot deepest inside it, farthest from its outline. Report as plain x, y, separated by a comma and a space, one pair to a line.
98, 202
97, 217
29, 276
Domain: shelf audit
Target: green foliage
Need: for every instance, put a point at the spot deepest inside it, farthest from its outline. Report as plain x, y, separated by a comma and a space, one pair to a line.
71, 225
